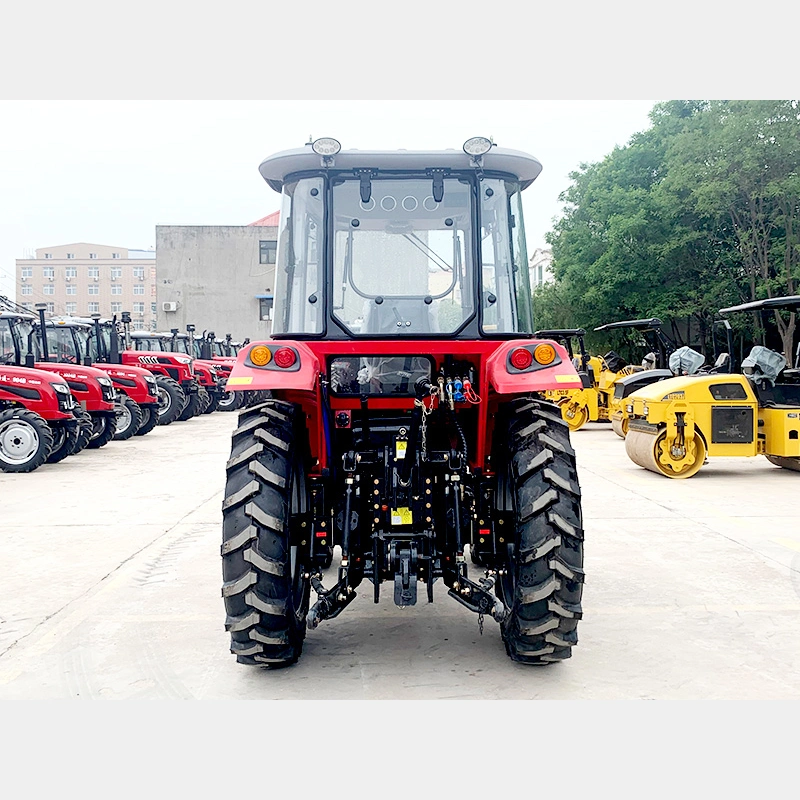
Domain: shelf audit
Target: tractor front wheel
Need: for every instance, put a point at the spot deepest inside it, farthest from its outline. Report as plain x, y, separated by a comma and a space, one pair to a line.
85, 428
264, 559
149, 419
64, 441
171, 399
541, 581
25, 440
230, 401
104, 426
192, 407
129, 418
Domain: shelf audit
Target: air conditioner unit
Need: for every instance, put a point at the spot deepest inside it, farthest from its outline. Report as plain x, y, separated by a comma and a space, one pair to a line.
169, 306
68, 278
51, 278
96, 278
23, 278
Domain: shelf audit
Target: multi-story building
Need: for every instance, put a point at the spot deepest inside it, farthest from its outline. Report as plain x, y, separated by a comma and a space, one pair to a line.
541, 270
217, 277
86, 278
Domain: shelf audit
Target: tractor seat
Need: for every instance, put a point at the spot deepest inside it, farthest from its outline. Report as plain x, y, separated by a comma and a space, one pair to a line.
722, 364
399, 316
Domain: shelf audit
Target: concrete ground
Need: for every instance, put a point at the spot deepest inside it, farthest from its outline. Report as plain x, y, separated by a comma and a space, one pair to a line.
111, 589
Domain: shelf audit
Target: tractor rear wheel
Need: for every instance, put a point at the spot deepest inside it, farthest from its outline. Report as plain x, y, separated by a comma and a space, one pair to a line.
149, 419
264, 560
103, 429
785, 461
192, 407
129, 418
230, 401
25, 440
85, 428
64, 441
542, 577
171, 399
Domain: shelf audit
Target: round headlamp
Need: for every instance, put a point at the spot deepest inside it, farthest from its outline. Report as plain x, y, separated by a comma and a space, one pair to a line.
477, 146
326, 146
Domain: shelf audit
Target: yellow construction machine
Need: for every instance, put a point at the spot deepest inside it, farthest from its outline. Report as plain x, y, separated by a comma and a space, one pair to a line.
676, 424
602, 376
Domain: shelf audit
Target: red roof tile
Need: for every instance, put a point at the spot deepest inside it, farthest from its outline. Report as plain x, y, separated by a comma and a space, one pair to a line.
271, 220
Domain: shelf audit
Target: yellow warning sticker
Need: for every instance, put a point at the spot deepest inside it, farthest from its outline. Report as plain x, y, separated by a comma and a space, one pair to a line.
568, 379
401, 516
400, 450
239, 381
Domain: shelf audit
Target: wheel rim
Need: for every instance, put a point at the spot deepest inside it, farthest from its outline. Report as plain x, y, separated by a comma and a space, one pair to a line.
19, 441
678, 471
226, 400
124, 418
164, 401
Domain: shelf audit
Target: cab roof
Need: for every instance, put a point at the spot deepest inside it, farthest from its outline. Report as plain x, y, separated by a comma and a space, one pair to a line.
275, 168
790, 303
654, 323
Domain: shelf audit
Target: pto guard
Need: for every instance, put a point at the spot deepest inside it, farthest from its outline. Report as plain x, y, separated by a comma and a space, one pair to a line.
504, 379
245, 378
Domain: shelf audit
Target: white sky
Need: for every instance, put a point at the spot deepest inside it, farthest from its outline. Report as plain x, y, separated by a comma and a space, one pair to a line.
108, 172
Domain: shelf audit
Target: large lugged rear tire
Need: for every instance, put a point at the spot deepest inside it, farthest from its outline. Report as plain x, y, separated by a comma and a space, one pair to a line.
171, 399
263, 560
25, 440
543, 571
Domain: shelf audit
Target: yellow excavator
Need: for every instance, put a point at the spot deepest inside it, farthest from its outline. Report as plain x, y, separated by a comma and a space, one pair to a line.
676, 424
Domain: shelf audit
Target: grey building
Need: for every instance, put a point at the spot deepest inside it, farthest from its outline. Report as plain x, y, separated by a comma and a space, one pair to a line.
217, 277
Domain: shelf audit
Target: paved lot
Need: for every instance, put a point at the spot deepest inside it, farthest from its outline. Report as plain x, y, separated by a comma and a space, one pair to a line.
111, 588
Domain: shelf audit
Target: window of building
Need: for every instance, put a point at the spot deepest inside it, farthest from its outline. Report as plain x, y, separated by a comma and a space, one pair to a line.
48, 255
138, 272
153, 325
138, 289
153, 308
264, 308
49, 272
71, 307
116, 289
94, 308
115, 255
94, 288
138, 308
138, 325
49, 288
94, 272
116, 308
27, 290
116, 273
27, 272
51, 307
28, 306
71, 272
91, 255
70, 255
267, 252
73, 289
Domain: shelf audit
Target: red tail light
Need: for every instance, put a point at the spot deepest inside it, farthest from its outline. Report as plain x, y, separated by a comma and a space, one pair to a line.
521, 358
284, 357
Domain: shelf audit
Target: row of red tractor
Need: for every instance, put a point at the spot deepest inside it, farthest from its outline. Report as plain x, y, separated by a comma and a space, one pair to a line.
70, 383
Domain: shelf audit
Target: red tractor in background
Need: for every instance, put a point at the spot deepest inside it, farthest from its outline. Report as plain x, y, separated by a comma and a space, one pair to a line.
91, 387
37, 419
137, 391
408, 425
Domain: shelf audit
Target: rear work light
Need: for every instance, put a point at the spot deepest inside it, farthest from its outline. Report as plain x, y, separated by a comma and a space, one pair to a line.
521, 358
284, 357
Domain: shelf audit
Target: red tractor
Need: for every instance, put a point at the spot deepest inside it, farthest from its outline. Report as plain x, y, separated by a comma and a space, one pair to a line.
137, 391
91, 387
210, 373
407, 424
37, 419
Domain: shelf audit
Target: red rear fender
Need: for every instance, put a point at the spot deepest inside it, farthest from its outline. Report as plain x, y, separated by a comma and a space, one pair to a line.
301, 375
507, 379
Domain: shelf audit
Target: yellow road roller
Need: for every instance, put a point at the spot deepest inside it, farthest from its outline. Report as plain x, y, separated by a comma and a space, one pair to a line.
676, 424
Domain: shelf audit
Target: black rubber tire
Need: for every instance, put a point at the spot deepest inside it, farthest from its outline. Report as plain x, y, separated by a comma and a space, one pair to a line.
149, 419
265, 599
230, 401
786, 462
192, 407
17, 425
205, 399
129, 421
64, 441
85, 428
103, 429
543, 580
171, 399
213, 401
